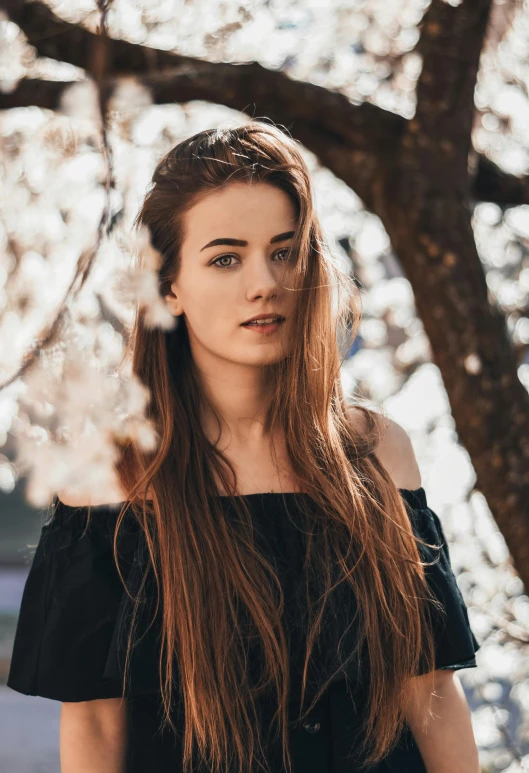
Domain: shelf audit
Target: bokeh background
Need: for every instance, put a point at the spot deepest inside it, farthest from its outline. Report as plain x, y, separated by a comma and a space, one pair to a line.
81, 128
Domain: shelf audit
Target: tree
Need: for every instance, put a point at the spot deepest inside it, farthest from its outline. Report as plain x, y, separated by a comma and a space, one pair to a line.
420, 176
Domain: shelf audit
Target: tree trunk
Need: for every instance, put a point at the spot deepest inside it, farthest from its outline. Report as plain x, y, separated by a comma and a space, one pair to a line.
414, 175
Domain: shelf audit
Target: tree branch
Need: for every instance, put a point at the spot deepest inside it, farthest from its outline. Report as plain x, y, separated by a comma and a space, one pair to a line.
489, 183
426, 209
359, 136
450, 43
307, 110
37, 92
414, 175
235, 85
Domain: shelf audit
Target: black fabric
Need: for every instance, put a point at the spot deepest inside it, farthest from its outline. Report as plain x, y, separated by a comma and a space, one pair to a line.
72, 625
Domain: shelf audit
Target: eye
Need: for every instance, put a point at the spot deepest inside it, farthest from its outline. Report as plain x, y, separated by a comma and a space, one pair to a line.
222, 257
285, 250
217, 263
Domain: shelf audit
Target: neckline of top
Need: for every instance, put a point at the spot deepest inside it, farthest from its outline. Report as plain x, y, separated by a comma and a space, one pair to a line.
294, 493
419, 493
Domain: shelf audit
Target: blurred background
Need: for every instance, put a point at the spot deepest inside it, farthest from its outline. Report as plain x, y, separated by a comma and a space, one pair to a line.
413, 117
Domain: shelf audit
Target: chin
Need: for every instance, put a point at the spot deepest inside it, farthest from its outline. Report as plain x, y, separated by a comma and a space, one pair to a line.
266, 358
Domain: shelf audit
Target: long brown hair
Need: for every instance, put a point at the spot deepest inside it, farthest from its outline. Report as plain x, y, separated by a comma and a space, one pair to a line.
209, 574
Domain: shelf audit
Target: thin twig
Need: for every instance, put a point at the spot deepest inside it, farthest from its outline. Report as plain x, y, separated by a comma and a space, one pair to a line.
105, 226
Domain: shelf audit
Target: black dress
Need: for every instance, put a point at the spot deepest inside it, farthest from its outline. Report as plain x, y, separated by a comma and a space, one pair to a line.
68, 642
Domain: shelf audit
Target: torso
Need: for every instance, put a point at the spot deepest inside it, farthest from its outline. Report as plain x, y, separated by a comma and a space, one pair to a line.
257, 473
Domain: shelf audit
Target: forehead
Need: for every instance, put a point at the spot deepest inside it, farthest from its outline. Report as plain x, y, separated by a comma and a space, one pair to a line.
239, 210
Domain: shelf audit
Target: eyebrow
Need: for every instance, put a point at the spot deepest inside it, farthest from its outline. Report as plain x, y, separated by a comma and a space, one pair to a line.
243, 243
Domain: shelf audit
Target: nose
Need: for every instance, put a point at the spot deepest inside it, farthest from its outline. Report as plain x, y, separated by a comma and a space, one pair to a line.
262, 278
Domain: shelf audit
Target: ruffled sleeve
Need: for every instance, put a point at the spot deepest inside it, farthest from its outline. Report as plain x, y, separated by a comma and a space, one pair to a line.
72, 604
455, 642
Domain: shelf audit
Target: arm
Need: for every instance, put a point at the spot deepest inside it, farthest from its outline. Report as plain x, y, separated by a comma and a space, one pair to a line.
93, 733
398, 457
93, 736
395, 450
445, 738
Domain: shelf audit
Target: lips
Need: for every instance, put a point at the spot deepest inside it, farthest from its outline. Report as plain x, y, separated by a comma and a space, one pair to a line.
264, 320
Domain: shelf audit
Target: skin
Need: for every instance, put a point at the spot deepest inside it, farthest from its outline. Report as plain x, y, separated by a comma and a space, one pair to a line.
93, 736
216, 294
445, 739
215, 300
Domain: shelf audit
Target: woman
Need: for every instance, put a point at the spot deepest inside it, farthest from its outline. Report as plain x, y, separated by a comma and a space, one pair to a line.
268, 589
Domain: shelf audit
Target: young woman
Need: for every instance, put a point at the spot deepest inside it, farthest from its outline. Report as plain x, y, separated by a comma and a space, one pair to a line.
268, 589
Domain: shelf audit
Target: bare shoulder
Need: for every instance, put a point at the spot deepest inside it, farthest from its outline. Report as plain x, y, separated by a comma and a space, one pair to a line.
395, 451
397, 455
107, 496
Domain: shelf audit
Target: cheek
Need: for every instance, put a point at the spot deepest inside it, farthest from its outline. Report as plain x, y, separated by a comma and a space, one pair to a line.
210, 312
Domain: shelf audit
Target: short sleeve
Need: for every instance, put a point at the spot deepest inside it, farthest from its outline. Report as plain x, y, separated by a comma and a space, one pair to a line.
455, 642
70, 606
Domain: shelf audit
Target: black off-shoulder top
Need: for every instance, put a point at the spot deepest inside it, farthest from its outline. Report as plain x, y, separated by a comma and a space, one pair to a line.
69, 641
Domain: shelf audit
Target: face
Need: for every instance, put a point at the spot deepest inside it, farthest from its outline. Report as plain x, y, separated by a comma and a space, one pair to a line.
233, 267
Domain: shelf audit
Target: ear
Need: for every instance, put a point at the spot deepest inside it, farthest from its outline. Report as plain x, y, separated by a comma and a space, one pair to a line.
173, 303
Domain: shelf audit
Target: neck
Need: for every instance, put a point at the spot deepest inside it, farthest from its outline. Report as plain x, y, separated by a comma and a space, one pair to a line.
238, 395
